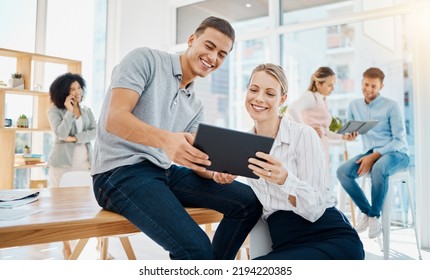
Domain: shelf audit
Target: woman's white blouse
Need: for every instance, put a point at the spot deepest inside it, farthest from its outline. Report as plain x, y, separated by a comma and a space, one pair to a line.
79, 124
299, 149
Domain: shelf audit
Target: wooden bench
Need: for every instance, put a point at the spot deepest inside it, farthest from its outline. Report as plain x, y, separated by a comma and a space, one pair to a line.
71, 214
201, 216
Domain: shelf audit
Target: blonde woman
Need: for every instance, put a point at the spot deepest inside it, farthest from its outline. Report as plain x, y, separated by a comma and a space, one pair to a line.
301, 218
311, 109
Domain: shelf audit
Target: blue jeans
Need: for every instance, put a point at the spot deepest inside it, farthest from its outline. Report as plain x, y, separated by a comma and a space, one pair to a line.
385, 166
153, 199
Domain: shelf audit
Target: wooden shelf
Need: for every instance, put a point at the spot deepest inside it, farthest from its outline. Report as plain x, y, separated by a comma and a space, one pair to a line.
23, 165
24, 92
25, 130
41, 103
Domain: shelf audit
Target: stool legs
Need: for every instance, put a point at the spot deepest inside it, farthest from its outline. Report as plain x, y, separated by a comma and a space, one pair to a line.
386, 212
411, 204
386, 224
404, 176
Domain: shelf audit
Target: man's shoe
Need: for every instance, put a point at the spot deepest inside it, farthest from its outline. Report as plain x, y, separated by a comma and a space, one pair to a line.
375, 228
363, 223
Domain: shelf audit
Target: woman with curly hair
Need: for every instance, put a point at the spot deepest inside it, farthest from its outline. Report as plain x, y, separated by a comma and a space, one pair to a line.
74, 127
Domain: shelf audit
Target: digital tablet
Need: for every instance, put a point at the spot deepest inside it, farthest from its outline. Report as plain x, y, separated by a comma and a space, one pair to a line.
229, 150
361, 127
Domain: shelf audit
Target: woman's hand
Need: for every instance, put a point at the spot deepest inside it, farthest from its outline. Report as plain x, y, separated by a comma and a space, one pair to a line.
223, 178
69, 102
71, 139
350, 136
269, 168
319, 131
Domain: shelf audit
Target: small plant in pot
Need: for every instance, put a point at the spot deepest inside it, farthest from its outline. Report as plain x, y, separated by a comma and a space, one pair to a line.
16, 81
22, 121
27, 149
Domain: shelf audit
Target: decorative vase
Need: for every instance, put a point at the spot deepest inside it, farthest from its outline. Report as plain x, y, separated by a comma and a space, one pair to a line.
22, 122
16, 83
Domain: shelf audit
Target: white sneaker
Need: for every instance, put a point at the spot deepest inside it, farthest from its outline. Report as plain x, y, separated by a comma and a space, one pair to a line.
375, 228
363, 223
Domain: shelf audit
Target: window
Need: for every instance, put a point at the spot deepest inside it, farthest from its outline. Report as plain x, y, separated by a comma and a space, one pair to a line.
251, 15
295, 12
312, 34
349, 49
74, 29
18, 32
77, 30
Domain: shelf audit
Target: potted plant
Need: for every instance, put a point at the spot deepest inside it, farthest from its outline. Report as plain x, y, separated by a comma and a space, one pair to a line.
282, 110
22, 121
27, 149
336, 124
16, 81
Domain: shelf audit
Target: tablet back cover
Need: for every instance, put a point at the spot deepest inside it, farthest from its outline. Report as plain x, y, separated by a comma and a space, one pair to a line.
229, 150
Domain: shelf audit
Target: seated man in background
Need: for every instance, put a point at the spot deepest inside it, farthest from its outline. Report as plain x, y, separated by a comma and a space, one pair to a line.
385, 150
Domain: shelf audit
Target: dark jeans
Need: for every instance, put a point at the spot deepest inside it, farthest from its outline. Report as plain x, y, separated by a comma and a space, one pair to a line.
331, 237
153, 199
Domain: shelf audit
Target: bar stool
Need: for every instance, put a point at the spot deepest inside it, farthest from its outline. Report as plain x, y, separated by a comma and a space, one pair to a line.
403, 177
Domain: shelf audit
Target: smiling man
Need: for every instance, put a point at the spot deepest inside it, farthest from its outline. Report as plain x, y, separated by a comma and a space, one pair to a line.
385, 150
145, 167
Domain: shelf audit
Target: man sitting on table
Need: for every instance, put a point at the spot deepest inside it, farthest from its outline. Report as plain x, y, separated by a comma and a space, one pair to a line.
148, 119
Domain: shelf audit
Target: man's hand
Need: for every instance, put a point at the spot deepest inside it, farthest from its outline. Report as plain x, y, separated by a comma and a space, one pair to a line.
179, 148
366, 163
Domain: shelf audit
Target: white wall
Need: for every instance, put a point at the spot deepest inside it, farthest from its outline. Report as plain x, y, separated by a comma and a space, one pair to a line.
421, 81
136, 23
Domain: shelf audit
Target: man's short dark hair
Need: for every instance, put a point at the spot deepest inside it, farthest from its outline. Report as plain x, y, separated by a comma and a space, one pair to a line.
219, 24
373, 73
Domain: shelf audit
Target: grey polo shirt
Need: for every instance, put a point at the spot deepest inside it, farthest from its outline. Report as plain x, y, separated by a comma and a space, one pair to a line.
155, 76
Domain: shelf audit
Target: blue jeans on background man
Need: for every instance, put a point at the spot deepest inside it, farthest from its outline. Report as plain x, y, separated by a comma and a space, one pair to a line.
386, 165
153, 199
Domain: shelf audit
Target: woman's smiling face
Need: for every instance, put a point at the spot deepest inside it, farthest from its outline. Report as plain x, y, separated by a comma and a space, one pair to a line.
264, 96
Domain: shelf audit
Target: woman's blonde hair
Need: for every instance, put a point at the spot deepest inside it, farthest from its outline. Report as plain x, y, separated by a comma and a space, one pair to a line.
320, 76
274, 70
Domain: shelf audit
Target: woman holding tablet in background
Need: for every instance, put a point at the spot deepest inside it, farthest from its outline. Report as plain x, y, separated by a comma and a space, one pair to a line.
311, 109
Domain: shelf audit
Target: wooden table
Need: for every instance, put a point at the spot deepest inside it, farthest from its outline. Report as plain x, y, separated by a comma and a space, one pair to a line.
73, 213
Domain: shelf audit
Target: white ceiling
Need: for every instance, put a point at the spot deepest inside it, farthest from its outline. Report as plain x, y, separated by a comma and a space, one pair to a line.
236, 10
